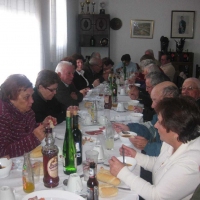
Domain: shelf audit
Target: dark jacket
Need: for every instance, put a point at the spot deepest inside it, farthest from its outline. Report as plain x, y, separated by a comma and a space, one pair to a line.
44, 108
63, 95
79, 82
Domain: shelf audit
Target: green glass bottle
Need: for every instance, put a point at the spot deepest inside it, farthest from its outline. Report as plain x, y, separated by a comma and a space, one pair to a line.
124, 70
69, 150
114, 93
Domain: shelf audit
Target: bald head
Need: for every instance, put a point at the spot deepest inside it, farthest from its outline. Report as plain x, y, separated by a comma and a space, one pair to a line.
161, 90
65, 71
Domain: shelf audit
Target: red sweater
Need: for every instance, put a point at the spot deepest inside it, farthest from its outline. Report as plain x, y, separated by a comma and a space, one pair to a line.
16, 130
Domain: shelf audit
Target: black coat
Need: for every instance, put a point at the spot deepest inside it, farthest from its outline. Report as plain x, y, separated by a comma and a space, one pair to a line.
79, 82
44, 108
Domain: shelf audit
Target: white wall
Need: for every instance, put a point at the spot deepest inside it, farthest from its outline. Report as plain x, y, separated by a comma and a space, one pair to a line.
157, 10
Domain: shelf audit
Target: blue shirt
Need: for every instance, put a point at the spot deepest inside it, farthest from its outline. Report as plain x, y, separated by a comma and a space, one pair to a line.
132, 67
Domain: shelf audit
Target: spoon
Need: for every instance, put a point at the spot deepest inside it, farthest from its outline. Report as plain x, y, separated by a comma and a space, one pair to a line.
123, 155
125, 132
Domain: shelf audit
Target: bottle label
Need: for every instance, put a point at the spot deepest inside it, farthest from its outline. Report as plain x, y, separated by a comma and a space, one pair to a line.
91, 172
90, 193
52, 167
78, 155
77, 147
106, 98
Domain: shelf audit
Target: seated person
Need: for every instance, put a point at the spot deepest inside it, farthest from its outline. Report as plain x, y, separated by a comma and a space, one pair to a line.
147, 138
79, 79
152, 79
66, 93
45, 103
19, 132
94, 71
131, 67
151, 53
176, 170
191, 87
107, 65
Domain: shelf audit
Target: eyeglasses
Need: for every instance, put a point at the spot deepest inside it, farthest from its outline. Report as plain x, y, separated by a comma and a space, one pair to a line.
51, 90
188, 88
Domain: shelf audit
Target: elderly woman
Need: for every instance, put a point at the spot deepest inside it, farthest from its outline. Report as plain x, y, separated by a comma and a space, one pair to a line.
191, 87
176, 170
19, 132
45, 103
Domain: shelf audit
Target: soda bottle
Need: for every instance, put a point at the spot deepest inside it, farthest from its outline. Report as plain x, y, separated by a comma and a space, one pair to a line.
50, 161
92, 183
27, 175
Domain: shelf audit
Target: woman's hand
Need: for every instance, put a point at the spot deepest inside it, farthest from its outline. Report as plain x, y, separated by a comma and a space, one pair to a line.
47, 120
39, 132
115, 166
120, 127
138, 109
128, 151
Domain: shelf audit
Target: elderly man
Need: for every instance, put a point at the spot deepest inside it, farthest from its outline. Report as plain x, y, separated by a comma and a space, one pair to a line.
148, 138
151, 53
167, 66
191, 87
66, 93
94, 72
152, 79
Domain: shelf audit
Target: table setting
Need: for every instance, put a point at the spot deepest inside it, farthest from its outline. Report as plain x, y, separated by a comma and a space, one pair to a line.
96, 137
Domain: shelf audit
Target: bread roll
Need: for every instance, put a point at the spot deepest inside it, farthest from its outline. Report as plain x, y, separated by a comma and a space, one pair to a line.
130, 107
37, 152
105, 176
106, 190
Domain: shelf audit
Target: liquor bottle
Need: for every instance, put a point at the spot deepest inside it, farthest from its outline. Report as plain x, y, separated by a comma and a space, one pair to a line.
27, 175
77, 138
92, 184
107, 97
69, 150
124, 70
50, 161
114, 93
92, 41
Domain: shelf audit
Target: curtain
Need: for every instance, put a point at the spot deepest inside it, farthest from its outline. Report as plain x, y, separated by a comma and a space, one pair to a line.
58, 30
20, 38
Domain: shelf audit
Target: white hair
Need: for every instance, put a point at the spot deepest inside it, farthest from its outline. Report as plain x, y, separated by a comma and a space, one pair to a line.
152, 68
196, 81
146, 62
63, 64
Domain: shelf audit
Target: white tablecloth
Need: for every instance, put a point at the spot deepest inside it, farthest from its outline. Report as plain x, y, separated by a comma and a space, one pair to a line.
14, 180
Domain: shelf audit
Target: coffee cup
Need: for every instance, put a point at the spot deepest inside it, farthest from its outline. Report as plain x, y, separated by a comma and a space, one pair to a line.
87, 120
99, 149
6, 193
120, 107
122, 91
74, 183
103, 120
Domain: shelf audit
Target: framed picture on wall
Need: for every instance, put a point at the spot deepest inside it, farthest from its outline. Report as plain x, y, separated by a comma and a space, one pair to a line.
182, 24
142, 28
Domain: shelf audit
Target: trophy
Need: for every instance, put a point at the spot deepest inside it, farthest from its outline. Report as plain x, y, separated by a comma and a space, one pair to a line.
93, 3
88, 3
82, 7
102, 10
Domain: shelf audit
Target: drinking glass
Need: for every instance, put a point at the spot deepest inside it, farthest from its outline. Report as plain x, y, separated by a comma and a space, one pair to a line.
109, 137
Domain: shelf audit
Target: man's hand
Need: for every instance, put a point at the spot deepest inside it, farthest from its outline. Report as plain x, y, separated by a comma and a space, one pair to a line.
127, 151
138, 109
120, 127
139, 142
96, 83
84, 91
74, 96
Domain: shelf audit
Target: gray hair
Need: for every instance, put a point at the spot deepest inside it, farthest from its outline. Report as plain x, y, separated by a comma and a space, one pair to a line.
170, 91
152, 68
150, 52
156, 78
63, 64
146, 62
94, 61
194, 80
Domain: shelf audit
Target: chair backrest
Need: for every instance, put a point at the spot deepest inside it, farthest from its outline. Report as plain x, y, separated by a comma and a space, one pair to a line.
196, 195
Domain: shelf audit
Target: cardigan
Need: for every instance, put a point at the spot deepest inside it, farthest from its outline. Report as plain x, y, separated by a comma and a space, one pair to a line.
16, 130
175, 175
44, 108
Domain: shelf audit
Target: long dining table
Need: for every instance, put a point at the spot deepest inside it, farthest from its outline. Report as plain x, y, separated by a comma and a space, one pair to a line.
14, 180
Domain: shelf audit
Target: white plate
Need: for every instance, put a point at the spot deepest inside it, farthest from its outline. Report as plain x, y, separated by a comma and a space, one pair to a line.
53, 195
